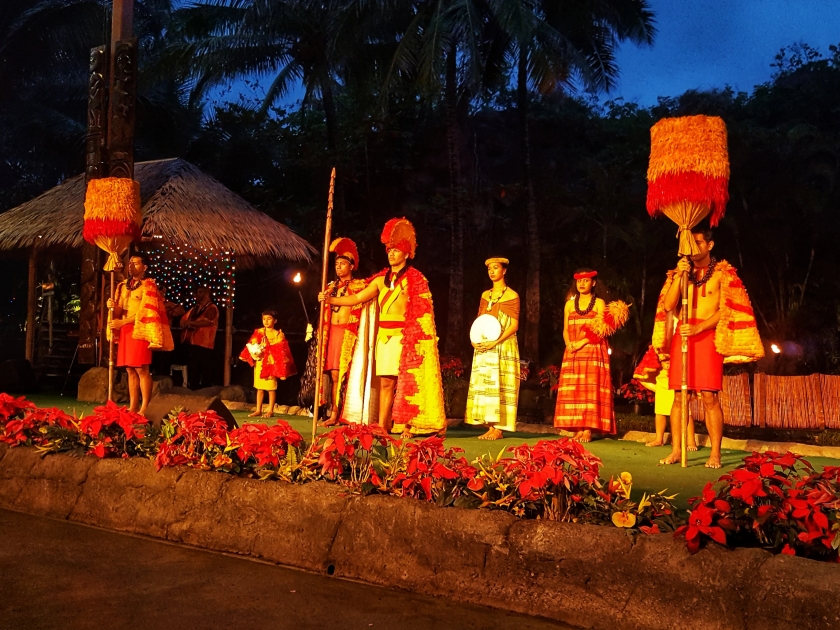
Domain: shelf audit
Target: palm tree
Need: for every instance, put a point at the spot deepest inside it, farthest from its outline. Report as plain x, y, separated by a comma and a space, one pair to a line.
556, 44
296, 42
449, 50
43, 45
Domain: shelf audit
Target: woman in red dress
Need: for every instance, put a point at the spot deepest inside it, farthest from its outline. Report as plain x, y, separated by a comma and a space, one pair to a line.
584, 395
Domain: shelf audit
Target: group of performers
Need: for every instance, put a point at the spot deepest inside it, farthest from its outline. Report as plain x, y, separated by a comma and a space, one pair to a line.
380, 349
380, 346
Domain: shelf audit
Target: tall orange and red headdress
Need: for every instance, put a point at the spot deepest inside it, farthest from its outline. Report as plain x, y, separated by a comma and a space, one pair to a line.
112, 216
345, 248
399, 234
688, 173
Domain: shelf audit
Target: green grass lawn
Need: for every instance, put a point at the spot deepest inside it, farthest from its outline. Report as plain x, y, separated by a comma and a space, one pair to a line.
618, 456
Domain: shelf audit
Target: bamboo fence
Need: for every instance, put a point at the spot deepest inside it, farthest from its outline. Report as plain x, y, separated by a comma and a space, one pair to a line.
830, 389
735, 402
789, 402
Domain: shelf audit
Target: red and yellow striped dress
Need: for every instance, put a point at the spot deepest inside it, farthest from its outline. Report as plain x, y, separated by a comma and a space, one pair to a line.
584, 395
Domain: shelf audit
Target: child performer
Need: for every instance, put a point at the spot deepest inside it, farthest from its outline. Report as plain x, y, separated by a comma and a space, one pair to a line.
494, 381
584, 395
652, 373
268, 352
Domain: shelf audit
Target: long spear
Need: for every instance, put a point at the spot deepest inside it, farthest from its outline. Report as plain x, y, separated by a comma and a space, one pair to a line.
325, 260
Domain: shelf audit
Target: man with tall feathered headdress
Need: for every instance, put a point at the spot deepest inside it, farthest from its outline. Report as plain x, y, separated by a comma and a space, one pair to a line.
400, 351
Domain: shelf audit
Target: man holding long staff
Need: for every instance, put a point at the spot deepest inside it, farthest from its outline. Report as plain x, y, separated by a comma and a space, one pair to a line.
719, 327
405, 363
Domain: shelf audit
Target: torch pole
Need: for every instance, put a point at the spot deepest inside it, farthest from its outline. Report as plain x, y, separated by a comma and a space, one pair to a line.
111, 343
305, 312
319, 370
684, 375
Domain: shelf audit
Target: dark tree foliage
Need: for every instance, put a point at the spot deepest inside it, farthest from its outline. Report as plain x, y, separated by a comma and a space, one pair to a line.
588, 167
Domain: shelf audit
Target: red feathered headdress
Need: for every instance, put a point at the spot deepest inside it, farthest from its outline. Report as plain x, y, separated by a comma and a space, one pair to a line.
345, 248
399, 234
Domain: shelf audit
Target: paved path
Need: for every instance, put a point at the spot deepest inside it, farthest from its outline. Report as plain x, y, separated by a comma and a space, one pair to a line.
62, 575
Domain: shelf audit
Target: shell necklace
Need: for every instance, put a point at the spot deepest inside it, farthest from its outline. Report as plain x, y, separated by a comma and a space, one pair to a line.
491, 302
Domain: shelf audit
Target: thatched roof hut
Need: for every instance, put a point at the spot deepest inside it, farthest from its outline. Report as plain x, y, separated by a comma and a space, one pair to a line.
181, 204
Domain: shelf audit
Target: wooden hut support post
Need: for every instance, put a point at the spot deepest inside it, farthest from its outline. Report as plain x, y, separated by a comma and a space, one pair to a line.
228, 342
31, 301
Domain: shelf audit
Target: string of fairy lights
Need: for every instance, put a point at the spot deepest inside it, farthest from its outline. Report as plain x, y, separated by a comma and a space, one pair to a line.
180, 269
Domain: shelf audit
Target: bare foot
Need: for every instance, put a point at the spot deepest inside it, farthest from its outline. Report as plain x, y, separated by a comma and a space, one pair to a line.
673, 458
256, 414
331, 422
492, 434
406, 434
691, 448
584, 436
714, 462
484, 435
268, 414
656, 442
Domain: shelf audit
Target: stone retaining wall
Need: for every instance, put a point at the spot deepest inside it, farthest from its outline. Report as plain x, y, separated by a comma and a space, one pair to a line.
584, 575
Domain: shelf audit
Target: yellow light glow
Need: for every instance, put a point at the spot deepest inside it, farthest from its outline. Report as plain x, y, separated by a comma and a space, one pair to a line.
296, 279
776, 349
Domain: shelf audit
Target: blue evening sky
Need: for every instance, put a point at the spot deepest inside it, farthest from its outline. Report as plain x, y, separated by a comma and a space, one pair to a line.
700, 44
712, 43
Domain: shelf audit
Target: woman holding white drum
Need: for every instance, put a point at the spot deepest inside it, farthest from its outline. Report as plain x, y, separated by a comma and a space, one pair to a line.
494, 381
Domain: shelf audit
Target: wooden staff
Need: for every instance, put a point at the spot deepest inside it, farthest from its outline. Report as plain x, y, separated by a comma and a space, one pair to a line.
111, 343
684, 376
325, 260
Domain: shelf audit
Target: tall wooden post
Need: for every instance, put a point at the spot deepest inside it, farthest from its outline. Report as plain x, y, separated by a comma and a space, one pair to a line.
31, 302
228, 342
96, 166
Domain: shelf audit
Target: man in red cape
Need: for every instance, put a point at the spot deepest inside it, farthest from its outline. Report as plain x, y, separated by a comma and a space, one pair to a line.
403, 345
721, 329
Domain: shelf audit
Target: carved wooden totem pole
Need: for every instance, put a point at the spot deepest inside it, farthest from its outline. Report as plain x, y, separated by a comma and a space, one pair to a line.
112, 91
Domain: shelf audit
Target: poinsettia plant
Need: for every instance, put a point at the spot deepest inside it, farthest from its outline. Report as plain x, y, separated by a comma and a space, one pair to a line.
451, 367
30, 426
550, 377
271, 451
427, 470
772, 500
348, 453
196, 440
11, 407
635, 392
112, 430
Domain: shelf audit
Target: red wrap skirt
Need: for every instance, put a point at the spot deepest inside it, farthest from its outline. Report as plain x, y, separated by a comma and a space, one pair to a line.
336, 340
132, 352
705, 363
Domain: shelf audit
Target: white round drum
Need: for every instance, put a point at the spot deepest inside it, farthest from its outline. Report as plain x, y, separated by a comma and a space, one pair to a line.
485, 328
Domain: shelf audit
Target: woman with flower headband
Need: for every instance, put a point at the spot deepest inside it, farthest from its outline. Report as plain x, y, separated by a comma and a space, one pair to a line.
494, 380
584, 394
